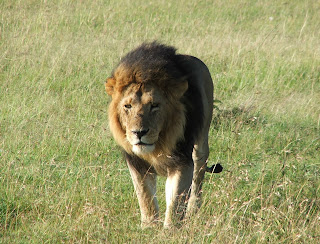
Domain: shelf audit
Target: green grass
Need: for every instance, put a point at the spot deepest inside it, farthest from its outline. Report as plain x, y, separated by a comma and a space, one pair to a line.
63, 179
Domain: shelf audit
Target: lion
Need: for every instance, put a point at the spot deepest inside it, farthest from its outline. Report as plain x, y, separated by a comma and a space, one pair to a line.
160, 113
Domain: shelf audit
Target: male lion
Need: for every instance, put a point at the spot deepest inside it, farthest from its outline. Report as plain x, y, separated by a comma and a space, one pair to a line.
160, 115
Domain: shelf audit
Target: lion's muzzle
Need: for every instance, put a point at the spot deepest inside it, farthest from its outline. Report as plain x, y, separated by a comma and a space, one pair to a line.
141, 141
140, 133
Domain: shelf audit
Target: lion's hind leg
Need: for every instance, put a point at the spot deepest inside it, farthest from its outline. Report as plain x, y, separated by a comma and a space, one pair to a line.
200, 155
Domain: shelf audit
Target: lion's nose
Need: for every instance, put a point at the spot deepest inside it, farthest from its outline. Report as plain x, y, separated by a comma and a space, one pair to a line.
140, 133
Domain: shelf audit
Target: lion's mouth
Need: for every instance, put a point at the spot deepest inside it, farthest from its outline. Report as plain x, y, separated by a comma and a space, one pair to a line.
143, 148
143, 144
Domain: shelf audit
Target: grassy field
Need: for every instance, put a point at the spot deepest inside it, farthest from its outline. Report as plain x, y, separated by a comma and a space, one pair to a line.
63, 179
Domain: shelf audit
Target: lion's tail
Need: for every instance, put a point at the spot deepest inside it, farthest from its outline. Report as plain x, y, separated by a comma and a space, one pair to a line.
215, 168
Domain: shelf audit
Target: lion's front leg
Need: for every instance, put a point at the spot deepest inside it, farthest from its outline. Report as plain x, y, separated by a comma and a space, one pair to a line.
145, 187
177, 192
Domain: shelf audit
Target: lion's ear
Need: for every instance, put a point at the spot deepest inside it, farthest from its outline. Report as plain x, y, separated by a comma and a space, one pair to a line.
178, 89
109, 84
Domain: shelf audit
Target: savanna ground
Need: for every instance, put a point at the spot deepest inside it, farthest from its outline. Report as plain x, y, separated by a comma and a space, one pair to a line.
63, 179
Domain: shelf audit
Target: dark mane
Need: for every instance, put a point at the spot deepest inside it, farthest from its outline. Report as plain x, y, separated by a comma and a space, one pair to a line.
154, 52
152, 61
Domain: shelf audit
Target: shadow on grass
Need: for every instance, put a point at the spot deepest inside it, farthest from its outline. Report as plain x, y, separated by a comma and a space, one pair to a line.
236, 117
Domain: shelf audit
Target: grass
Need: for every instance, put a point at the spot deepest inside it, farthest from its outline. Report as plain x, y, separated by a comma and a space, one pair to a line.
63, 179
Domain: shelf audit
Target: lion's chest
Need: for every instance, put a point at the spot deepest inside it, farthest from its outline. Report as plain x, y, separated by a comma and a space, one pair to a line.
161, 163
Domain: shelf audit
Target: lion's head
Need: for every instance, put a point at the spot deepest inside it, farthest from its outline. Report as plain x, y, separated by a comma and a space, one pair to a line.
146, 115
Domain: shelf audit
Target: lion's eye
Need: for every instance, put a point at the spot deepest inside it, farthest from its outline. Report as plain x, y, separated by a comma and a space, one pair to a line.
154, 106
128, 106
